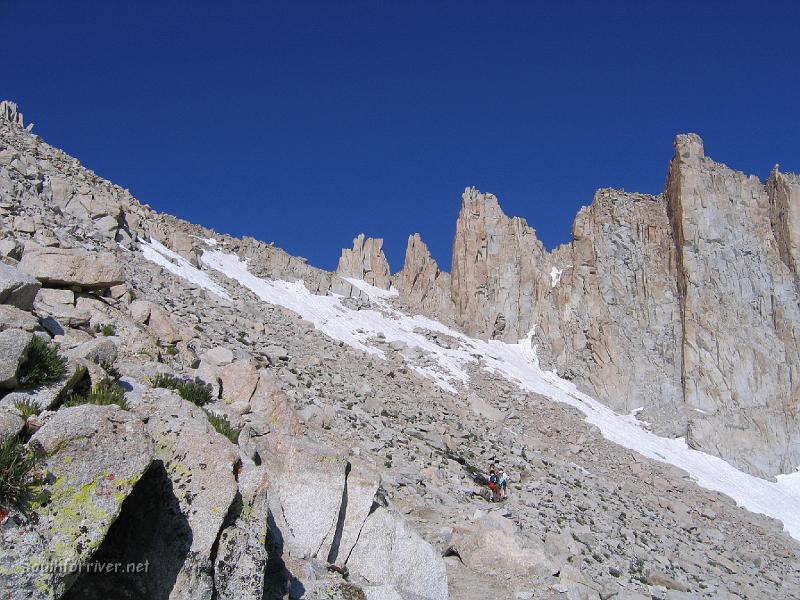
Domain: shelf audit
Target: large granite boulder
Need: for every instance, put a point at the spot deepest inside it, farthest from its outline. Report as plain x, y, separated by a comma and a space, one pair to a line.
199, 467
73, 267
17, 288
91, 457
242, 551
389, 552
492, 543
13, 352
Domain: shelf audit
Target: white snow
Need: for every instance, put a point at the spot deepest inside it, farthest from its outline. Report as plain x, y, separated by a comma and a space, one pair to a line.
447, 367
555, 276
173, 262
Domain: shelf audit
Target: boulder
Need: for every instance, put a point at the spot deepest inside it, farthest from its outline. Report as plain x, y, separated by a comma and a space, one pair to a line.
493, 542
92, 457
199, 466
13, 351
239, 380
17, 288
270, 407
59, 304
219, 356
73, 267
390, 552
48, 395
13, 318
140, 310
162, 325
100, 351
308, 482
10, 424
242, 554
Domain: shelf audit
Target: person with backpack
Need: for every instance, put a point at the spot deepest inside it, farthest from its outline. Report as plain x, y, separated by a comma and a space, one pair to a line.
501, 484
493, 483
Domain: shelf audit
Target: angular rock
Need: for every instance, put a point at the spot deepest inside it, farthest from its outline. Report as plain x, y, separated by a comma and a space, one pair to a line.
13, 351
493, 542
242, 554
219, 356
421, 283
17, 288
47, 396
100, 351
366, 261
13, 318
93, 456
239, 380
389, 552
10, 424
73, 267
199, 463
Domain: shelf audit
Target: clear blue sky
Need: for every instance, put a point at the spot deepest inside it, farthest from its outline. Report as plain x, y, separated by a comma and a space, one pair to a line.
305, 123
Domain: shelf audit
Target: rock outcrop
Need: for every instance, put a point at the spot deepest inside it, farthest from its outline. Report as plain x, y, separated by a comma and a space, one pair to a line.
421, 283
740, 310
93, 456
499, 270
366, 261
72, 267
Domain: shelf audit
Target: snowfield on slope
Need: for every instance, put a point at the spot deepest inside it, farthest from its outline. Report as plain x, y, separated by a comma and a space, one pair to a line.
448, 368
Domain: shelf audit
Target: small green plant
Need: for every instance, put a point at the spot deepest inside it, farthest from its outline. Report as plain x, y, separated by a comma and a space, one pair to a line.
171, 350
26, 408
106, 329
43, 364
104, 393
110, 369
223, 426
16, 474
195, 391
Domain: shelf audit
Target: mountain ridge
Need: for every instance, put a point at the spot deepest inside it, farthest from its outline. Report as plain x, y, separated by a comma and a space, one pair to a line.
389, 419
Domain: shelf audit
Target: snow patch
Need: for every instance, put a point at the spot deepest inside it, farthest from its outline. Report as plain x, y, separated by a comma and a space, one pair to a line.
555, 276
156, 252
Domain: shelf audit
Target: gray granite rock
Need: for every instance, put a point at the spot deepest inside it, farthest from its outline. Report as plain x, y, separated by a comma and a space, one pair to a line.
17, 288
72, 267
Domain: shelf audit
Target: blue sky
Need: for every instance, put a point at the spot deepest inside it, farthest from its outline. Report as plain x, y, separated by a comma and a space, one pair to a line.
306, 123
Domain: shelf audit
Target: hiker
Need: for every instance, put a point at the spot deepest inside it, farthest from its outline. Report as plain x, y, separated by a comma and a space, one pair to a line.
493, 481
503, 481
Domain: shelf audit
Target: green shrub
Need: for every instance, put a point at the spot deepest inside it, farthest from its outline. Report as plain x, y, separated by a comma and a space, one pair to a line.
195, 391
110, 369
26, 408
171, 350
106, 330
43, 364
16, 479
104, 393
223, 426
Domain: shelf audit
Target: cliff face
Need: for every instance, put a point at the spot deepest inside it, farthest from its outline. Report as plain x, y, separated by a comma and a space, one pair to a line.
422, 283
611, 320
739, 306
684, 305
499, 270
